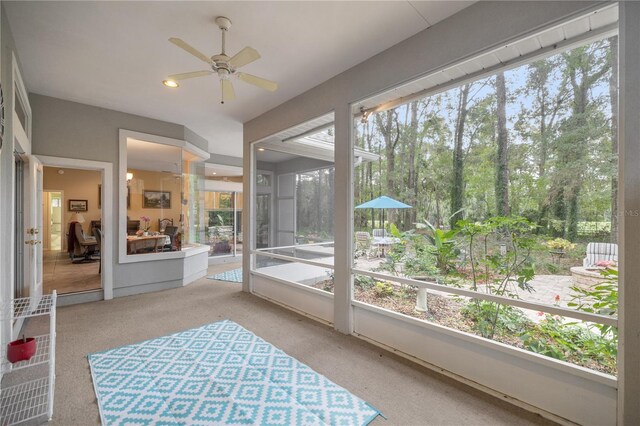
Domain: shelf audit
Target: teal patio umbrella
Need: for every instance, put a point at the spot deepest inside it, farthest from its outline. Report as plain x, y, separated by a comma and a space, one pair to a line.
383, 202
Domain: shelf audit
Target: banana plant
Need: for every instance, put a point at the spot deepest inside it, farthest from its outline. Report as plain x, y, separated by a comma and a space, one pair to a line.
442, 245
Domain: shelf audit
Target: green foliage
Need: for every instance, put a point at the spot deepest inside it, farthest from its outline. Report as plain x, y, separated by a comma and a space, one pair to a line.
499, 255
580, 342
552, 268
423, 264
601, 299
570, 342
561, 161
364, 282
490, 319
442, 246
560, 244
383, 289
393, 230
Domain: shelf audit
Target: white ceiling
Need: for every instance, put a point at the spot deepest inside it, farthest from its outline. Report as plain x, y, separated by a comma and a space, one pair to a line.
115, 54
157, 157
221, 170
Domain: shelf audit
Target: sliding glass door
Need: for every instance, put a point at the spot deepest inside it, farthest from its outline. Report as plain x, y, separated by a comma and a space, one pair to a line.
223, 223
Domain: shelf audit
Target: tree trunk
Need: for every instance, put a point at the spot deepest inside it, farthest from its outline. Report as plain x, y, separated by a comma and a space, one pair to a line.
613, 94
389, 127
502, 160
457, 188
579, 67
412, 176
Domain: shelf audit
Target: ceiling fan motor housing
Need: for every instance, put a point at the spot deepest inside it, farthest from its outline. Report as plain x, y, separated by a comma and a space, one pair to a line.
223, 23
221, 63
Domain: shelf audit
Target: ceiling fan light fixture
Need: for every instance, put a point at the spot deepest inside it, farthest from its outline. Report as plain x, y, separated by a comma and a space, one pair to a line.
171, 83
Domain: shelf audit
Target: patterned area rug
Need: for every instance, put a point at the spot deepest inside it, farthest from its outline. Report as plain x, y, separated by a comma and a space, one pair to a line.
217, 374
234, 275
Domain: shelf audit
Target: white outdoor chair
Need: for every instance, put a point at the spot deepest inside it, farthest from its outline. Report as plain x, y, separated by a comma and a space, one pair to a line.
379, 233
363, 243
600, 251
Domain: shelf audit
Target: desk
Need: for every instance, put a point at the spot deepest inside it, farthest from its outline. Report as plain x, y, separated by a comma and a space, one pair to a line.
152, 242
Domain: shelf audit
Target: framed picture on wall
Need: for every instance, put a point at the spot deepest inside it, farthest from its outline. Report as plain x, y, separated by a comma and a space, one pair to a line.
156, 199
78, 205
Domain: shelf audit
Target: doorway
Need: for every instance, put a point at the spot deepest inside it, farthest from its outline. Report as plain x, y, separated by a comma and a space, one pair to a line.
72, 222
52, 220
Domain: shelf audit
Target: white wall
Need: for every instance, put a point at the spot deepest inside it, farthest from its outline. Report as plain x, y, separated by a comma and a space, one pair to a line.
7, 166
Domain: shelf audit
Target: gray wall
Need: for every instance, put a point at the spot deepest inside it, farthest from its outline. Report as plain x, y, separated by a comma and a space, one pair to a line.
73, 130
476, 29
196, 139
225, 160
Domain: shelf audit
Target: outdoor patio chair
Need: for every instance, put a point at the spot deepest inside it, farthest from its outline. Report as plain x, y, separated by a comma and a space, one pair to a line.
363, 243
600, 251
379, 233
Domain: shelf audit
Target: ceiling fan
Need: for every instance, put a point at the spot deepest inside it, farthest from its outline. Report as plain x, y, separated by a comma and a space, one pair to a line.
223, 65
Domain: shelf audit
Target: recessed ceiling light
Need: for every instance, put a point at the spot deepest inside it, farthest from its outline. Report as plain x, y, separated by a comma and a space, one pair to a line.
260, 149
170, 83
213, 173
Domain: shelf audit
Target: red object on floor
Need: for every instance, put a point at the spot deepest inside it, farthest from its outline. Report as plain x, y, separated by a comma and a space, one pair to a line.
21, 350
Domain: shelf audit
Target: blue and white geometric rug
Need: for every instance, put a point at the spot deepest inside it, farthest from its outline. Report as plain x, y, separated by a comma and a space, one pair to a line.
234, 275
218, 374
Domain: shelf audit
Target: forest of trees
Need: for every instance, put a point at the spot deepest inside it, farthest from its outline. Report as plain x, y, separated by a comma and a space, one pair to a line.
314, 203
537, 141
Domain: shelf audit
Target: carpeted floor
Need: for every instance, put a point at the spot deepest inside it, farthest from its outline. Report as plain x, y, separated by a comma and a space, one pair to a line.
406, 393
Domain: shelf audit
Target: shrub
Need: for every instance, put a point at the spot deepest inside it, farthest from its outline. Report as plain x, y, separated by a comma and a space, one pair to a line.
491, 319
364, 282
442, 246
503, 272
560, 244
570, 342
383, 289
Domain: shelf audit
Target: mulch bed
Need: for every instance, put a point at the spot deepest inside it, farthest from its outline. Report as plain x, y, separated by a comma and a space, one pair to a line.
442, 310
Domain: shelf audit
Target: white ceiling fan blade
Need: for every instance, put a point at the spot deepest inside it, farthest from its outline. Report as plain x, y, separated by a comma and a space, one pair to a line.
193, 74
244, 57
183, 45
228, 94
263, 83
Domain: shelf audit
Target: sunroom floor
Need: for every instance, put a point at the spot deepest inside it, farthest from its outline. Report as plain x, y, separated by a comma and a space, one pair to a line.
406, 393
